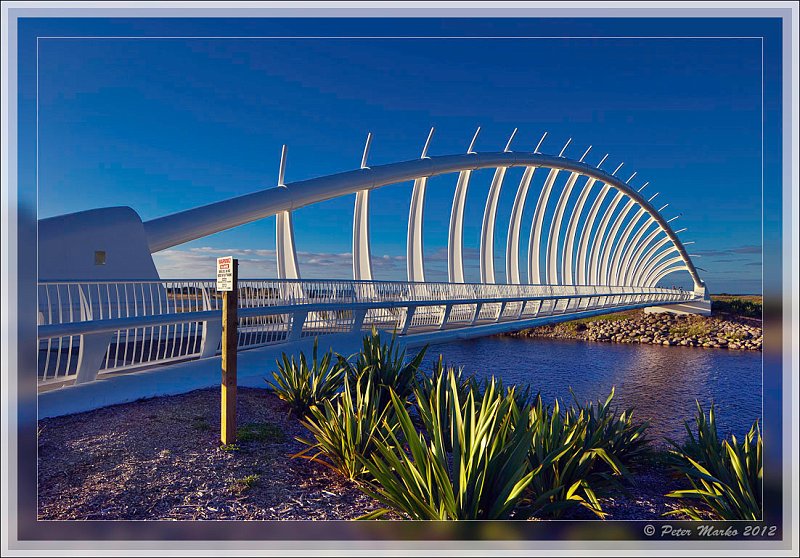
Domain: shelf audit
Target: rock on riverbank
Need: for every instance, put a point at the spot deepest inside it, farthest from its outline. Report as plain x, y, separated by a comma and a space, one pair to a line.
658, 329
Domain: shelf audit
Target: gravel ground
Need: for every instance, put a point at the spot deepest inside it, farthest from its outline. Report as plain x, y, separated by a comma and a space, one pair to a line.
644, 500
160, 459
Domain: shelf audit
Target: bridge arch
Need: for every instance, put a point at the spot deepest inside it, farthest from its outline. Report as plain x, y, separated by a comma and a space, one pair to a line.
603, 254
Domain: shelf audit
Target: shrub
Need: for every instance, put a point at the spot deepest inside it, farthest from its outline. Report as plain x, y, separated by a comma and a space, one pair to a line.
432, 396
726, 476
737, 306
522, 398
482, 478
346, 428
577, 452
561, 462
692, 329
303, 387
384, 366
623, 439
432, 393
425, 384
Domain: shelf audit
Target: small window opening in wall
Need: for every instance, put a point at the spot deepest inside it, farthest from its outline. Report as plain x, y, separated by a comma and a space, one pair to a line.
100, 257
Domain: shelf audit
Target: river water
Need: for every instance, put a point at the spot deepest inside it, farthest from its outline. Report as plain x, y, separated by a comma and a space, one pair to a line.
661, 383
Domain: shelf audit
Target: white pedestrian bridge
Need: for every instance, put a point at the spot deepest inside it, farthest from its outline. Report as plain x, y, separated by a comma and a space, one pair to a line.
93, 328
596, 244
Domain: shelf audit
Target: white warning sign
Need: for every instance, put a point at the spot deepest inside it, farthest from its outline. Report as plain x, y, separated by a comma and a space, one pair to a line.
225, 273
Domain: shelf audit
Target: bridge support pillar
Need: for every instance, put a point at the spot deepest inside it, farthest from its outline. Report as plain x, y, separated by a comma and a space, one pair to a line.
409, 317
212, 333
478, 307
298, 319
285, 252
701, 307
445, 316
500, 313
358, 320
92, 350
212, 329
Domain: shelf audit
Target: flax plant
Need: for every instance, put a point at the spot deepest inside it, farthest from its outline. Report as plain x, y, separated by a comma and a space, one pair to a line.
557, 452
346, 429
482, 478
384, 365
432, 396
578, 452
726, 476
303, 386
623, 439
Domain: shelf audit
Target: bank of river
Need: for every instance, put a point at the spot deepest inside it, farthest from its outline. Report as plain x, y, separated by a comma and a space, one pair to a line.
729, 332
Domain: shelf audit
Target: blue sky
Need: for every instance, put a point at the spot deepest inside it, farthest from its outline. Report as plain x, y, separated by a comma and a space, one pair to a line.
163, 125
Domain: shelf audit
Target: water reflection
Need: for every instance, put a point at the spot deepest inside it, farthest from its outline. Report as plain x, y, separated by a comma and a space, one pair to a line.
662, 383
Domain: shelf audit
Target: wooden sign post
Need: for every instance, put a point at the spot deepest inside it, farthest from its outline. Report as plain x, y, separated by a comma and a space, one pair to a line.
227, 282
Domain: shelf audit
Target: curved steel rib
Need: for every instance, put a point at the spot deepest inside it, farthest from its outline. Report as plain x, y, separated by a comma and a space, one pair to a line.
285, 252
555, 231
637, 259
534, 247
651, 259
604, 277
656, 272
586, 232
489, 216
414, 247
487, 229
455, 239
515, 225
414, 241
666, 272
362, 260
632, 250
184, 226
600, 241
572, 228
622, 247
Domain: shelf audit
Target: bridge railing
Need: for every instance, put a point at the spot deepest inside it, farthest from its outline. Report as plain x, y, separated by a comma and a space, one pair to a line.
86, 328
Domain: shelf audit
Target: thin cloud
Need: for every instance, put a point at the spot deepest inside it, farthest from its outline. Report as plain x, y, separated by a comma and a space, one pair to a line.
750, 249
201, 262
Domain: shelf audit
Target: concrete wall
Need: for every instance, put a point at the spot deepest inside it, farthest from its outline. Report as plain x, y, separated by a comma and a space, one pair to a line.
701, 307
69, 246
